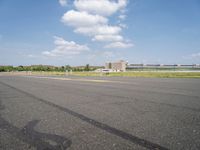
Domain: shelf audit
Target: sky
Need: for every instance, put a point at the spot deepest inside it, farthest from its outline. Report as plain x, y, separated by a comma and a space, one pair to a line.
79, 32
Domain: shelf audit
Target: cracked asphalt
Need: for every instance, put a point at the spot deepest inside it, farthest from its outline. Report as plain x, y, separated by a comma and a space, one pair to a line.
101, 113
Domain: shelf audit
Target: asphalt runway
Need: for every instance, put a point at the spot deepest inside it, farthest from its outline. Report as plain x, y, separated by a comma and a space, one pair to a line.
99, 113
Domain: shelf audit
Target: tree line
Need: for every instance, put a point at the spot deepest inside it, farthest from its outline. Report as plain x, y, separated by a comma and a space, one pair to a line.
48, 68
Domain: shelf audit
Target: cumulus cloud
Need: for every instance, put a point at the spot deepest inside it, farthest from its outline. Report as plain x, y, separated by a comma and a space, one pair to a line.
122, 17
90, 18
63, 2
91, 25
122, 25
82, 19
119, 45
64, 48
105, 38
101, 7
99, 30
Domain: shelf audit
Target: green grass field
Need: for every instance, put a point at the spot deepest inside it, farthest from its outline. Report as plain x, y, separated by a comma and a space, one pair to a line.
158, 74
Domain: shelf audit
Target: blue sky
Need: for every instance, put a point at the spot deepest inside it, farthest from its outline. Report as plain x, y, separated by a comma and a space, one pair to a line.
77, 32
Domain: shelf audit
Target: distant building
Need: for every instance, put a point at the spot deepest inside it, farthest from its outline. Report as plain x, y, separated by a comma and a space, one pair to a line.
116, 66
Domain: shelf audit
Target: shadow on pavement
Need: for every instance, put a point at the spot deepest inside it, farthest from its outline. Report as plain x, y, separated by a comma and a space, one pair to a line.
41, 141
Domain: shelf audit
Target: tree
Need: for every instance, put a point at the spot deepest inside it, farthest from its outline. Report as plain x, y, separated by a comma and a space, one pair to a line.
109, 65
2, 69
20, 68
87, 67
68, 67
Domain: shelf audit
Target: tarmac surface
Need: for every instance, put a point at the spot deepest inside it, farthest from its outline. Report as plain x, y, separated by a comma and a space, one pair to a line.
99, 113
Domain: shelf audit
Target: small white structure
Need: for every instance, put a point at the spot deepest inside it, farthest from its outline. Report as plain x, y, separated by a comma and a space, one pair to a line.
104, 70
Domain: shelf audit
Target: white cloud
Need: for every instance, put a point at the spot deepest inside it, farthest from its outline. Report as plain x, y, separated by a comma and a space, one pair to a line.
91, 19
122, 25
101, 7
119, 45
98, 30
105, 38
63, 2
82, 19
122, 16
65, 48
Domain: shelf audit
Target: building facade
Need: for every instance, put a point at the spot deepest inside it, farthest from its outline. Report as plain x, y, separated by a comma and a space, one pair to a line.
116, 66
